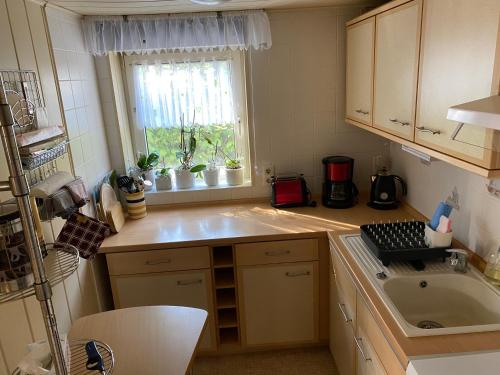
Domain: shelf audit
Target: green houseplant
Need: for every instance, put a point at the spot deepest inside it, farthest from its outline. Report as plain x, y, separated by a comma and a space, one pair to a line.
233, 166
146, 165
185, 174
163, 179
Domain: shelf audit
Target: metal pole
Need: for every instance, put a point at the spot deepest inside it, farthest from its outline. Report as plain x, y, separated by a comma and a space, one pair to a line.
20, 189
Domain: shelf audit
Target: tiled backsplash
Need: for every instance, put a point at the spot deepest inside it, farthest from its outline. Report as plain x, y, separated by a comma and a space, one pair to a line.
476, 224
82, 107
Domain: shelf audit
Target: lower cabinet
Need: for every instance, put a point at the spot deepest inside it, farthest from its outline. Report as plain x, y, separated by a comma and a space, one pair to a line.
357, 343
180, 288
342, 344
279, 303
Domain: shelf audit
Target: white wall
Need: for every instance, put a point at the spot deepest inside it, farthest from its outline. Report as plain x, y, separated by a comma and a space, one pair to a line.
297, 89
476, 224
24, 42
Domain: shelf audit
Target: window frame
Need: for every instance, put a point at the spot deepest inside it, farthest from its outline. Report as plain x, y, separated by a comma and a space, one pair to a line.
242, 129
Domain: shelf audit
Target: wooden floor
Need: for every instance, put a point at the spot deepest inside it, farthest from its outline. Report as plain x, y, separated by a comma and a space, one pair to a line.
317, 361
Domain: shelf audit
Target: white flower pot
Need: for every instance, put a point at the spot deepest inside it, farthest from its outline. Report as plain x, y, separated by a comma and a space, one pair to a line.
163, 182
184, 179
211, 177
234, 177
149, 175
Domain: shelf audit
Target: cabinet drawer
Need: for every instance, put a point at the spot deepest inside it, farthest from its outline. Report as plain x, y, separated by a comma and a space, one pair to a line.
345, 284
369, 331
190, 258
276, 252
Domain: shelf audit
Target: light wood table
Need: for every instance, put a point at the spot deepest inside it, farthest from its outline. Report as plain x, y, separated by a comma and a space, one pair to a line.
146, 340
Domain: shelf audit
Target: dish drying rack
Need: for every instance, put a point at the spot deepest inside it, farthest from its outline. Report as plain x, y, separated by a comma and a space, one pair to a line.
38, 265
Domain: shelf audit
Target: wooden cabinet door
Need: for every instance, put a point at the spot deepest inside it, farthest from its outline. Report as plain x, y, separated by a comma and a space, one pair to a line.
459, 62
341, 332
367, 362
359, 78
183, 288
279, 303
396, 66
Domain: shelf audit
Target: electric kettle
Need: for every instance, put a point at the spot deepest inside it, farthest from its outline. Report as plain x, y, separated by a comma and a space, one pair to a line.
383, 194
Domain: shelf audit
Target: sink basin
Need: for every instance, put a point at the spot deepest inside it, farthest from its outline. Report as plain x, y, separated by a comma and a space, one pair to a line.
446, 303
436, 301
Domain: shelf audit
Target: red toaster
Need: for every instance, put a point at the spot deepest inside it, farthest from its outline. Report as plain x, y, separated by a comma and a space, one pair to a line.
290, 191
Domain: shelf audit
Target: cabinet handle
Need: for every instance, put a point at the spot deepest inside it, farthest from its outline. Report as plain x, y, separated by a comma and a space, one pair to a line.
277, 253
156, 262
359, 344
426, 130
362, 112
297, 274
402, 123
189, 282
342, 310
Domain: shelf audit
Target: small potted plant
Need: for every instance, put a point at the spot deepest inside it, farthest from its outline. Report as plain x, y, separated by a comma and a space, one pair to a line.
211, 172
163, 179
185, 174
234, 172
146, 165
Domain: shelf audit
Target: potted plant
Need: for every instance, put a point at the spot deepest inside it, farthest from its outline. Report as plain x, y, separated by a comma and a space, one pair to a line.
185, 174
234, 172
234, 168
163, 179
211, 172
146, 165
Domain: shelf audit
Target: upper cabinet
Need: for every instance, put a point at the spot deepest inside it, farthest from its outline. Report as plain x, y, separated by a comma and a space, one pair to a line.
396, 67
460, 41
359, 80
428, 55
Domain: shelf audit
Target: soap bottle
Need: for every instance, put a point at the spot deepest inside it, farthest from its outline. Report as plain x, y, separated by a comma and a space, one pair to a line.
492, 270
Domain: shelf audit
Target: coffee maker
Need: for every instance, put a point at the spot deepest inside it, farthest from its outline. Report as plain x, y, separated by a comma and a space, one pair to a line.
338, 189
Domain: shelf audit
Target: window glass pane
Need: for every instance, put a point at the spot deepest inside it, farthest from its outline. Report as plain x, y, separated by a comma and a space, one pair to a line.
165, 141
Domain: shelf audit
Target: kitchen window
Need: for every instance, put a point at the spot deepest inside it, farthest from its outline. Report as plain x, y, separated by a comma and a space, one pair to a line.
204, 89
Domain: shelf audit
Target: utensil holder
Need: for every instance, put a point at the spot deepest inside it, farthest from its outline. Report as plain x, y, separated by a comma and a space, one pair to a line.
437, 239
136, 205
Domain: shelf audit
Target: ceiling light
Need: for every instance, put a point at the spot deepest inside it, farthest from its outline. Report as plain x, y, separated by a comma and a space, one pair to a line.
209, 2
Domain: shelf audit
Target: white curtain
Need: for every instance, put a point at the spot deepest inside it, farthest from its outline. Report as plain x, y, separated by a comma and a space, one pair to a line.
177, 32
165, 92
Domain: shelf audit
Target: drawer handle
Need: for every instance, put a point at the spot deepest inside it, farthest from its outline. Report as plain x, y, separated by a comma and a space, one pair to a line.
359, 344
277, 253
344, 313
189, 282
402, 123
427, 130
362, 112
156, 262
297, 274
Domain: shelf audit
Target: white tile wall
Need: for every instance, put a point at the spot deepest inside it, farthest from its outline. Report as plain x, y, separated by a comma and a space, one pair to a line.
78, 82
298, 98
476, 224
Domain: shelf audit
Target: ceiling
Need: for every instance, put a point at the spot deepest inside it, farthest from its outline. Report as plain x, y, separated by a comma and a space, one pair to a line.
122, 7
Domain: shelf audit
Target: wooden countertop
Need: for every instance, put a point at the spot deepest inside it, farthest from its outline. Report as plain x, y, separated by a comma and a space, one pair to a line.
167, 227
146, 340
406, 347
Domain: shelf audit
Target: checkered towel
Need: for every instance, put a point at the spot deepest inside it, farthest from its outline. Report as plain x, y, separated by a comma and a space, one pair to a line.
84, 233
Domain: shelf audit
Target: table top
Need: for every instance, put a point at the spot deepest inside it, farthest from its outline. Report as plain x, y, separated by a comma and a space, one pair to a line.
147, 340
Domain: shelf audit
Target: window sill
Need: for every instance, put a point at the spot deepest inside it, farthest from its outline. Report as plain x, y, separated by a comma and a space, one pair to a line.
198, 193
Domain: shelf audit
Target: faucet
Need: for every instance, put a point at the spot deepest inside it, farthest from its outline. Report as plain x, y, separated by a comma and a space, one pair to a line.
459, 260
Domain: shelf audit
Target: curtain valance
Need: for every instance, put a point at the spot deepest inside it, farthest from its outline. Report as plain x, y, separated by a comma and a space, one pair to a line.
177, 32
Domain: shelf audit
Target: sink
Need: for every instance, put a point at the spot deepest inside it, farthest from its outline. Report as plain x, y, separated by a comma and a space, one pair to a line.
447, 303
436, 301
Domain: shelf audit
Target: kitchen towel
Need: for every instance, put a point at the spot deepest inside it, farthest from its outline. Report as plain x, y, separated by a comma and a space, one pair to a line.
84, 233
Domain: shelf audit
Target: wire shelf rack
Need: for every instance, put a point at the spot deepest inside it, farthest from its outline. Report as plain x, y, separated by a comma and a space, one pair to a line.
37, 160
61, 262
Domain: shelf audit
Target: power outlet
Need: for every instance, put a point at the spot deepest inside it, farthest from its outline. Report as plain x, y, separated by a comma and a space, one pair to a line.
268, 173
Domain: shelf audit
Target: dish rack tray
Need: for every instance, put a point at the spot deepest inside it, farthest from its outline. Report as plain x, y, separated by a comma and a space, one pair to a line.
400, 241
